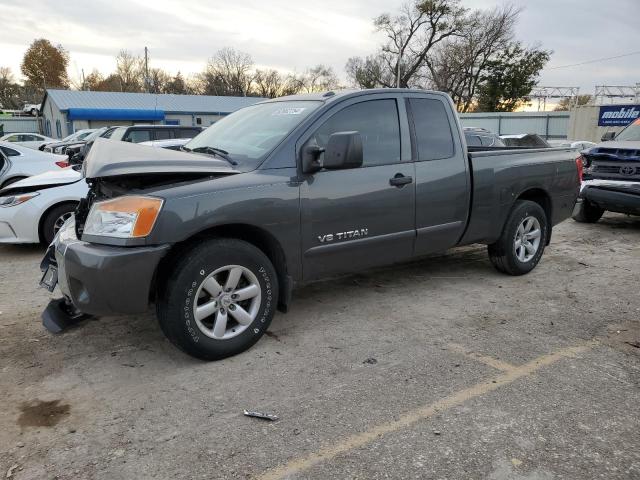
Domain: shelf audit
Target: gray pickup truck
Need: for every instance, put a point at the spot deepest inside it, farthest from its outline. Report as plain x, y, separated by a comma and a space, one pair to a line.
285, 192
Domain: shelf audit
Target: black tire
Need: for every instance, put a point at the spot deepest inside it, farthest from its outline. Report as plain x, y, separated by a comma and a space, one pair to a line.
587, 212
181, 281
10, 181
49, 227
502, 253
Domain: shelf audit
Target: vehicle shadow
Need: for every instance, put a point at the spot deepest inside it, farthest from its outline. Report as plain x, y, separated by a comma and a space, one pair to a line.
620, 221
22, 249
140, 337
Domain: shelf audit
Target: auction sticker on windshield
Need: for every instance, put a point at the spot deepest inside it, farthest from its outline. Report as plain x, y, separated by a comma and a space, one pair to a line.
288, 111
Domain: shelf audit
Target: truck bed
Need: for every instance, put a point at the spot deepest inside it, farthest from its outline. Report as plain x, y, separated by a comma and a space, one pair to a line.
499, 176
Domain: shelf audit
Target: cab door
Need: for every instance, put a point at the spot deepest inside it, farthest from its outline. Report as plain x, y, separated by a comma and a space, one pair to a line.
443, 183
360, 217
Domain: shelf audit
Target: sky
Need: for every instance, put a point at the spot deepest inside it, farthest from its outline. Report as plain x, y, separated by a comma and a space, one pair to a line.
290, 35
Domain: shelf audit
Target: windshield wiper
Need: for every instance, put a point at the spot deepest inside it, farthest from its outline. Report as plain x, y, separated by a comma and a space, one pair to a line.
218, 152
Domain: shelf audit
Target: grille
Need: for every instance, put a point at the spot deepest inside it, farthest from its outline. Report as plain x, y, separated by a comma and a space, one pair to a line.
606, 169
618, 170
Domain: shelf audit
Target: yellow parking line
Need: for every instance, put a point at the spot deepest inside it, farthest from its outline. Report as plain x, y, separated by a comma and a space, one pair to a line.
413, 416
492, 362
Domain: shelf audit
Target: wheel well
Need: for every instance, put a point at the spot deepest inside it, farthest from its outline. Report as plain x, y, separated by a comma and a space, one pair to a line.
256, 236
46, 212
542, 198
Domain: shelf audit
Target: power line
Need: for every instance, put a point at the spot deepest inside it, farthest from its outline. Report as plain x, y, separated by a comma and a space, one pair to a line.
594, 61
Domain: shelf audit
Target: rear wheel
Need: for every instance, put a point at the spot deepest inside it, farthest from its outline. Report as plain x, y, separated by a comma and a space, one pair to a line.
521, 245
218, 299
587, 212
54, 219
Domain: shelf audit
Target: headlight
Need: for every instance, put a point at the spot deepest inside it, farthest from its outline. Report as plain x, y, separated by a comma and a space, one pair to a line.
123, 217
13, 200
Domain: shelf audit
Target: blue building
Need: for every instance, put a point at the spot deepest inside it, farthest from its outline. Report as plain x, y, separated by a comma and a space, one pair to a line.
65, 111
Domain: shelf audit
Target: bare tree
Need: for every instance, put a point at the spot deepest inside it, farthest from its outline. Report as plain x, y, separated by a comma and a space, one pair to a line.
158, 80
412, 35
456, 66
369, 72
228, 72
567, 104
269, 83
9, 89
316, 79
130, 70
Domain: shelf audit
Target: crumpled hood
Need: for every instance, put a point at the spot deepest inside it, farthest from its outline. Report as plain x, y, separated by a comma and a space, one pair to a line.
624, 151
109, 158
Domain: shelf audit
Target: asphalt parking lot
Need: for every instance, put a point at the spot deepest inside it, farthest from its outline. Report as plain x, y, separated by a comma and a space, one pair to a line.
439, 369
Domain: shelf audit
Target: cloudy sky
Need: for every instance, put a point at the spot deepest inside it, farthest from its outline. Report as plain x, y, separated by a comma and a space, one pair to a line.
292, 34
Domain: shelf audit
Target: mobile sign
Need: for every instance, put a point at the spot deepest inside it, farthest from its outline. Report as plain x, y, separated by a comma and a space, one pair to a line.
618, 115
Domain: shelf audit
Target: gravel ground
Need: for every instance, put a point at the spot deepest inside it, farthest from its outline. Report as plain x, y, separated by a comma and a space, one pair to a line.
439, 369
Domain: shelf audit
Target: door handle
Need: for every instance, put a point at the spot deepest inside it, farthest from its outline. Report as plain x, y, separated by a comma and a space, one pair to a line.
399, 180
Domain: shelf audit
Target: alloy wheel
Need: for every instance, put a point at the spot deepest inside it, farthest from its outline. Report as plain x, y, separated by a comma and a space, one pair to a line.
227, 302
527, 239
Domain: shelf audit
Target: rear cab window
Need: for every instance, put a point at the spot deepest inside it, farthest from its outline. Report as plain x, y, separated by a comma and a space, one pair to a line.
434, 137
137, 136
187, 132
162, 133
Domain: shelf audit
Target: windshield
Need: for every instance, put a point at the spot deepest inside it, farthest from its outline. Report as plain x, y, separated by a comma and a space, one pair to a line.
73, 136
631, 133
249, 134
85, 134
96, 134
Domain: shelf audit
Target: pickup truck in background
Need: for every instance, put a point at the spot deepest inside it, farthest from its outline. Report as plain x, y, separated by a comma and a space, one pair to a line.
288, 191
611, 177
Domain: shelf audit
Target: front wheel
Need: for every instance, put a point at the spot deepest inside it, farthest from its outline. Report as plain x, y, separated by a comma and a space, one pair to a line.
586, 212
218, 298
520, 247
54, 220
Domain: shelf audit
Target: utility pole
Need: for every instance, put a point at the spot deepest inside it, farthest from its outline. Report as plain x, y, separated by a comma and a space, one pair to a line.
84, 83
146, 68
398, 73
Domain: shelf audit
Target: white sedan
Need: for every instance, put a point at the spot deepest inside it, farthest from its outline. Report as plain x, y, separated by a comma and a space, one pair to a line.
18, 162
30, 140
33, 210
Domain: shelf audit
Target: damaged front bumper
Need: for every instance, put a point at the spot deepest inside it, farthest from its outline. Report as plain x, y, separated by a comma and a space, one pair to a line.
99, 279
612, 195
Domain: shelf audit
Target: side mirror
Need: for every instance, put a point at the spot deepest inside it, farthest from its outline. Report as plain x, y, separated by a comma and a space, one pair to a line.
344, 150
608, 136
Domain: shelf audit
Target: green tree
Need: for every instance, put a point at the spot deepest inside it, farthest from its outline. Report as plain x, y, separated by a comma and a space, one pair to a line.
45, 65
510, 77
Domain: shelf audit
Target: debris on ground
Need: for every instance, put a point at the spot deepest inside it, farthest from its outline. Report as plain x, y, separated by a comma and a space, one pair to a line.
370, 361
11, 469
264, 416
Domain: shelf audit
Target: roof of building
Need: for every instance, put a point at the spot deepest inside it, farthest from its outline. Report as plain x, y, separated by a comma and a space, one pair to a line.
169, 103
